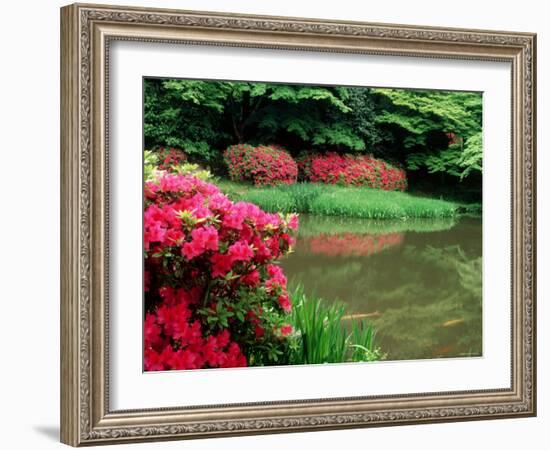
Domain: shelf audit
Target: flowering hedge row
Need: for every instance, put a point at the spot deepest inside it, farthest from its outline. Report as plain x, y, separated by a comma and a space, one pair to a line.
170, 157
355, 170
265, 165
213, 295
272, 165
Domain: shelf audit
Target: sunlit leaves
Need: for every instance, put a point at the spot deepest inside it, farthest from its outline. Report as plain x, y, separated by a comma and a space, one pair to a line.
424, 117
436, 131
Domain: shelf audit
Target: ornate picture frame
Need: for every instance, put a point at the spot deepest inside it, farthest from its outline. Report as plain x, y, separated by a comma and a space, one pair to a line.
87, 32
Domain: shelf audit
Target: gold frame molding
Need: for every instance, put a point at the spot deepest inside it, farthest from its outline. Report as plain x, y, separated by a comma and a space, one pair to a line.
86, 31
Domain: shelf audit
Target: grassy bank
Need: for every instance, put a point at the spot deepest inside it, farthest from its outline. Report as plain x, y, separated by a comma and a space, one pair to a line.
330, 200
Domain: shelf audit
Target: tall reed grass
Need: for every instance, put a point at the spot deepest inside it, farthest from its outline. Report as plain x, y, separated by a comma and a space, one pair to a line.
324, 338
330, 200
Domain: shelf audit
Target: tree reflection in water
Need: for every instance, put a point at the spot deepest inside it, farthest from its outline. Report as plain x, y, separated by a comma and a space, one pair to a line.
420, 285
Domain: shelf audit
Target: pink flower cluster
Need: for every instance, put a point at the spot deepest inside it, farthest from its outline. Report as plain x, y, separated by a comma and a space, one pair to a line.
174, 341
354, 170
265, 165
212, 291
169, 157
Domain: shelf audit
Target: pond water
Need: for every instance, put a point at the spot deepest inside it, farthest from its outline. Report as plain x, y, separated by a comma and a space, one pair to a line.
419, 281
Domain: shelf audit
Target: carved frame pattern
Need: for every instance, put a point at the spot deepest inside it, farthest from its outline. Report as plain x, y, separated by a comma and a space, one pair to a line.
86, 32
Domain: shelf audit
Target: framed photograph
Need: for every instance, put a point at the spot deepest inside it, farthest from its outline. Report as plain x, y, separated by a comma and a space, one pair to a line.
276, 224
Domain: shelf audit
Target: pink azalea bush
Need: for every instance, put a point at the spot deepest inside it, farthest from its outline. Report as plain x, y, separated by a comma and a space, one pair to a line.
214, 296
351, 170
170, 157
265, 165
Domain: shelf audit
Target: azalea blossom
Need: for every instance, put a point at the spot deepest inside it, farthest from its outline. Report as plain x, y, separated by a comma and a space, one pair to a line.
240, 251
284, 302
286, 330
354, 170
265, 165
205, 256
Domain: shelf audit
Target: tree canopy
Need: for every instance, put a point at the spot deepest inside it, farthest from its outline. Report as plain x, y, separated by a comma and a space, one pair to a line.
440, 130
430, 131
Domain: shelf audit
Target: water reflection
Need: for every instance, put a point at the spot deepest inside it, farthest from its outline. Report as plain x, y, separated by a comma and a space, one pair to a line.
419, 282
350, 244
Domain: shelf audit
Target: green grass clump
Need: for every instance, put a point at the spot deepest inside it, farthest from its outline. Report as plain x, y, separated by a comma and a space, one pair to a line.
470, 209
377, 204
271, 201
330, 200
323, 337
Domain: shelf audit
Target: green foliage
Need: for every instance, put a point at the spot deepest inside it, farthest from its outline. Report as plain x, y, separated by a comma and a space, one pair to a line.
361, 118
331, 200
337, 134
323, 336
471, 157
376, 204
438, 132
423, 112
200, 116
192, 169
150, 163
422, 121
269, 200
151, 171
470, 209
232, 313
459, 159
176, 118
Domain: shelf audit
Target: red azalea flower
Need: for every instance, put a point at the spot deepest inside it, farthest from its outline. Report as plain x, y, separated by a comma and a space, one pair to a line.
152, 360
284, 302
240, 251
251, 279
293, 222
221, 264
151, 331
259, 331
262, 165
286, 330
355, 170
189, 217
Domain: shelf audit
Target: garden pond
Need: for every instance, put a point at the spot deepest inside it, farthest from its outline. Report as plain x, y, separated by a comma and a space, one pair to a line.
418, 281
